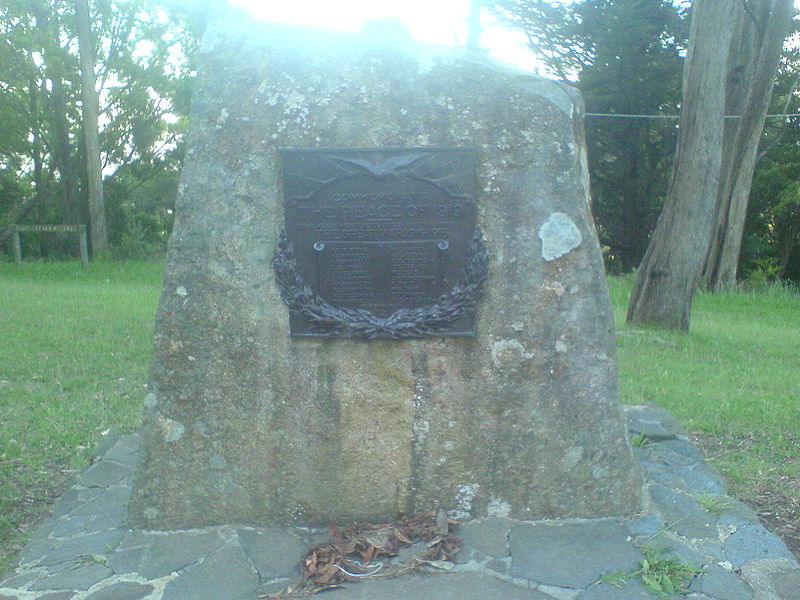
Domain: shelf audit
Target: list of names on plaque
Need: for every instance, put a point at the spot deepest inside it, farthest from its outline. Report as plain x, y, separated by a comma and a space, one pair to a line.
380, 230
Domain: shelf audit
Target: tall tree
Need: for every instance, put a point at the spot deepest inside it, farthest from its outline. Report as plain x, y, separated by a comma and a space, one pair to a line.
667, 278
626, 58
143, 79
58, 67
771, 242
762, 26
90, 108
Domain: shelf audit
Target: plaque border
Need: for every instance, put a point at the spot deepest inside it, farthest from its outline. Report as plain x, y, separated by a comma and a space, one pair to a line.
326, 320
433, 164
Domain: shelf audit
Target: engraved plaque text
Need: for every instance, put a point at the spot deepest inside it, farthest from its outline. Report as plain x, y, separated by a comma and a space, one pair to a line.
380, 230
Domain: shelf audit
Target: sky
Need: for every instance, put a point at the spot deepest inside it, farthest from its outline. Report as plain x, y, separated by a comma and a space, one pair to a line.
434, 21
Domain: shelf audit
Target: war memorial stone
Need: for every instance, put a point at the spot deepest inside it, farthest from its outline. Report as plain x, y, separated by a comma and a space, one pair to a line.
383, 294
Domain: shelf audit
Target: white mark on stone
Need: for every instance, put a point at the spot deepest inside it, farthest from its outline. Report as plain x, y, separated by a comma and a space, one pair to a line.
571, 458
557, 287
181, 291
150, 401
223, 116
561, 346
466, 494
295, 100
421, 429
507, 354
559, 235
516, 326
175, 431
448, 445
191, 358
498, 508
559, 593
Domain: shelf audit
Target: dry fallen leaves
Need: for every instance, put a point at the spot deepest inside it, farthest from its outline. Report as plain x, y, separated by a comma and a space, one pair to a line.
348, 556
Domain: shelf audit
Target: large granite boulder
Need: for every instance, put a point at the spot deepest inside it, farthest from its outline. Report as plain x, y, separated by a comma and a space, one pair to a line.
244, 423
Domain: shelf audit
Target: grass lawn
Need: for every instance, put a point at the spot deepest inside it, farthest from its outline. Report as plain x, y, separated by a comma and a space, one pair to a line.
75, 346
734, 383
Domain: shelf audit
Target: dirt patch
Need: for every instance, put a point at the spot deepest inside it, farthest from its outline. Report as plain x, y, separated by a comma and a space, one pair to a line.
32, 504
774, 495
779, 512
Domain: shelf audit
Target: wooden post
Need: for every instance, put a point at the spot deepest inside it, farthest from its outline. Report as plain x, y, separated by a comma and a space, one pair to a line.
84, 248
79, 229
17, 243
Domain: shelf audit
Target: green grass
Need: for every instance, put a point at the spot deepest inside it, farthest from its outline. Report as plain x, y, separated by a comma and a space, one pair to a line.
734, 380
75, 345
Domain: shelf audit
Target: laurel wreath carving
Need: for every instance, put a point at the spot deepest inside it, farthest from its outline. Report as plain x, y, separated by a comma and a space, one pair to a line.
327, 320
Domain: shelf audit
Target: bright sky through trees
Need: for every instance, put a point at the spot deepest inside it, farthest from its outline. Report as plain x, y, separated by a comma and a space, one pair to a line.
434, 21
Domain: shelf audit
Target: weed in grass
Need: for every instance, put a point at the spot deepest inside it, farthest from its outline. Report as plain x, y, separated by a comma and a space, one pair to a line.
640, 440
664, 576
617, 578
85, 560
716, 505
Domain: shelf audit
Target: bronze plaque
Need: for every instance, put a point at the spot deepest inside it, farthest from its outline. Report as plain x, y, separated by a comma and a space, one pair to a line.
380, 242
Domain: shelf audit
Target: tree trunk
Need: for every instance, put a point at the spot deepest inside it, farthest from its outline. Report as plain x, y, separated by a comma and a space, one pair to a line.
666, 281
753, 62
36, 156
90, 111
61, 148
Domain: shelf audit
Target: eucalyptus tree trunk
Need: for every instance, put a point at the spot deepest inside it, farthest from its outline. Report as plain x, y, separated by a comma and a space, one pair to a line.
90, 111
667, 278
753, 62
57, 109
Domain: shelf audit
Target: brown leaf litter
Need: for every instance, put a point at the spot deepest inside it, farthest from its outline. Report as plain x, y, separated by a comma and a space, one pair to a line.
351, 554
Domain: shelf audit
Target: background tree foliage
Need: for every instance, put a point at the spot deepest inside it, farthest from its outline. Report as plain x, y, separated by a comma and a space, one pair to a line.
771, 241
627, 56
144, 75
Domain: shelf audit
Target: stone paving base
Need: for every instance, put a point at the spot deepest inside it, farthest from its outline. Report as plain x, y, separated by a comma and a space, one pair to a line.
85, 551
